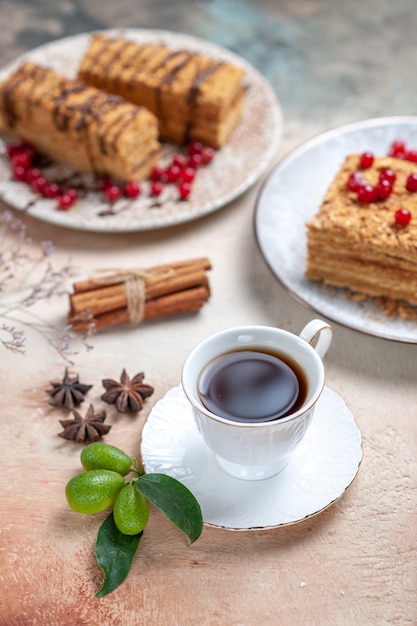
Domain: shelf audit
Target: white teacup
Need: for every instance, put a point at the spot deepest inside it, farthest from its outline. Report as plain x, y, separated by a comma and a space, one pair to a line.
255, 450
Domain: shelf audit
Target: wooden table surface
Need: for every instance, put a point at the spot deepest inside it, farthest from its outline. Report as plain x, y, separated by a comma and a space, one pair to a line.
355, 563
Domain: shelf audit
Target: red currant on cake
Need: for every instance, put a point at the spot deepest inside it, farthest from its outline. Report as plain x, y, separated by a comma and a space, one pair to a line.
412, 182
383, 189
355, 181
388, 174
397, 149
366, 194
366, 160
402, 217
411, 155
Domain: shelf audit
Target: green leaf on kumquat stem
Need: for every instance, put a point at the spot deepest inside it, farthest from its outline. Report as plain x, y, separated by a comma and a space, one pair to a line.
175, 500
114, 552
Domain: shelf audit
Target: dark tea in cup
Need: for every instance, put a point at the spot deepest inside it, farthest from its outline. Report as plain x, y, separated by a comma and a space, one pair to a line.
252, 385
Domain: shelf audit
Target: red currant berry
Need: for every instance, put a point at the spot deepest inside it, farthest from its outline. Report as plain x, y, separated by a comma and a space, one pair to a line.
402, 217
366, 194
65, 202
195, 160
132, 189
397, 149
173, 173
19, 172
387, 174
207, 154
366, 160
411, 155
51, 190
355, 181
113, 193
39, 184
383, 189
195, 147
21, 159
156, 173
156, 188
184, 189
32, 173
187, 175
180, 160
411, 183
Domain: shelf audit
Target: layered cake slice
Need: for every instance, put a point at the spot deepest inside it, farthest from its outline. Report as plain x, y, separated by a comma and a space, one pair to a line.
195, 97
79, 124
364, 235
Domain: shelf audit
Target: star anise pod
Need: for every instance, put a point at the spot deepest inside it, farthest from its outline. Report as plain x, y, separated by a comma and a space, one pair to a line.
69, 393
128, 394
85, 429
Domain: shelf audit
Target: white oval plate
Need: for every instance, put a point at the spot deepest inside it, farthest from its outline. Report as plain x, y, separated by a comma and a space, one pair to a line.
319, 473
291, 196
235, 168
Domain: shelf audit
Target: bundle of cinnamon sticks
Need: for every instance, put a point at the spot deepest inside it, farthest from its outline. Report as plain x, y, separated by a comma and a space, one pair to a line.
115, 297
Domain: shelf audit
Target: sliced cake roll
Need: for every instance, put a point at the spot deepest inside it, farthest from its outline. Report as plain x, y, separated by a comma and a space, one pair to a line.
79, 124
194, 97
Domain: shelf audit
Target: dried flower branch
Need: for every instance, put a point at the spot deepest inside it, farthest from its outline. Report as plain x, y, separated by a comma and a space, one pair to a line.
27, 278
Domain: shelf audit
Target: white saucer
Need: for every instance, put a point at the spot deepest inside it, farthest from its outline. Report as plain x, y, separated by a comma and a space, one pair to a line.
319, 473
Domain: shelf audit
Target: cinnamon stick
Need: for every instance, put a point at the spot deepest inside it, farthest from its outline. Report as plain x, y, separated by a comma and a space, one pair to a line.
168, 290
102, 299
180, 267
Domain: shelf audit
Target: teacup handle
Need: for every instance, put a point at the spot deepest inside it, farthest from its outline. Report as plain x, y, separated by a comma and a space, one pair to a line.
319, 335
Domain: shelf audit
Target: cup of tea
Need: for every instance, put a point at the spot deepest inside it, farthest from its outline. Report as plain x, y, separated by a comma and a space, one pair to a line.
253, 390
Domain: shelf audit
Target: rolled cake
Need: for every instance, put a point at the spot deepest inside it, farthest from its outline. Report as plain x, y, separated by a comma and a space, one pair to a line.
360, 245
79, 124
194, 97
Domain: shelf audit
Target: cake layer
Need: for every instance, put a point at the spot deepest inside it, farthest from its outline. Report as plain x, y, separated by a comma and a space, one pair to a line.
359, 245
187, 91
79, 124
365, 277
